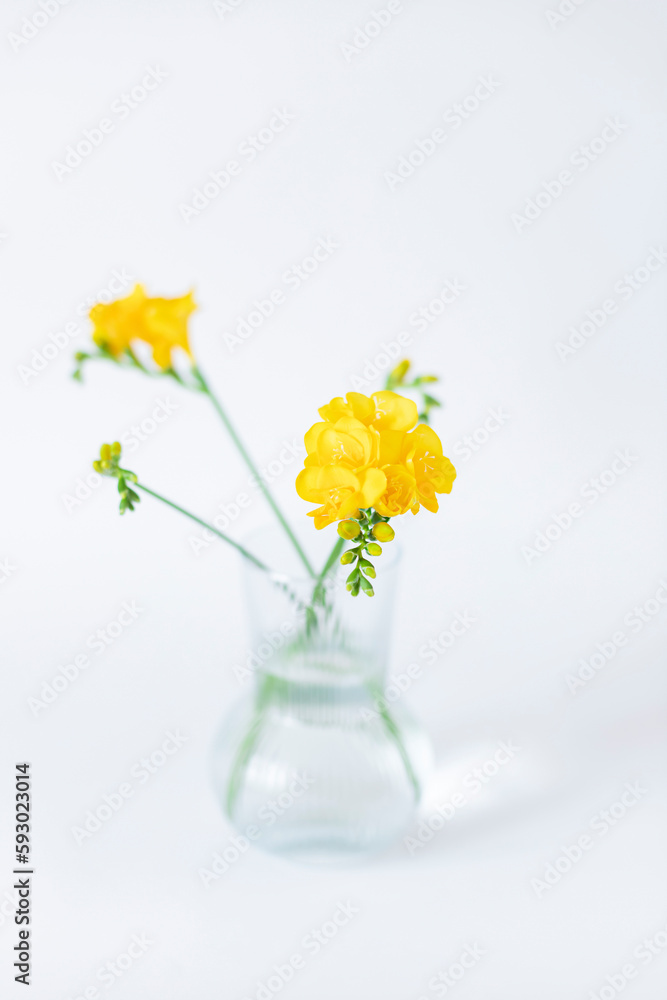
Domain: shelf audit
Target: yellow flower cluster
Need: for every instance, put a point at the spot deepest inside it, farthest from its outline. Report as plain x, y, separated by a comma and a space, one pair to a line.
367, 452
162, 323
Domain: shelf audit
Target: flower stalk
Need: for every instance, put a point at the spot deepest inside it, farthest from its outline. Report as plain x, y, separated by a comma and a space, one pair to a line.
162, 324
205, 388
109, 465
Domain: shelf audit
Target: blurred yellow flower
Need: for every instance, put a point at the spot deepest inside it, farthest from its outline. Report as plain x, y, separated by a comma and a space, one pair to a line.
367, 452
161, 323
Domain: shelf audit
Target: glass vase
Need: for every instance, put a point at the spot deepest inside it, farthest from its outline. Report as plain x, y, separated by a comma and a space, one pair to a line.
315, 762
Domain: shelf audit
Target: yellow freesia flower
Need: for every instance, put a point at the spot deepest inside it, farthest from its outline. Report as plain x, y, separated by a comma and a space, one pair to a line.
400, 494
115, 322
367, 452
383, 410
339, 491
162, 323
348, 442
433, 473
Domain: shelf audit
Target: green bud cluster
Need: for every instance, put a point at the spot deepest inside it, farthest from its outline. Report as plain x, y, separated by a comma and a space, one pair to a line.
108, 464
397, 378
361, 530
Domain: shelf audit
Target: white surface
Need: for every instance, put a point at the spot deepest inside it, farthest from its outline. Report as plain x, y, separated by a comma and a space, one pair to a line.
495, 347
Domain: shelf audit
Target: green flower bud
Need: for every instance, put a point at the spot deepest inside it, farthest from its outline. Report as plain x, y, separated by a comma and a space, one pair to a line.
347, 557
348, 529
400, 371
383, 531
374, 549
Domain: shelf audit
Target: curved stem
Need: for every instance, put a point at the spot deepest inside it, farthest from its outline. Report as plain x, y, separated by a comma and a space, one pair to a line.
253, 469
333, 555
395, 733
249, 743
193, 517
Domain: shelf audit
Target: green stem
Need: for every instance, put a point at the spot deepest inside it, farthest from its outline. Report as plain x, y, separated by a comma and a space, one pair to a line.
253, 469
333, 555
395, 733
249, 742
204, 524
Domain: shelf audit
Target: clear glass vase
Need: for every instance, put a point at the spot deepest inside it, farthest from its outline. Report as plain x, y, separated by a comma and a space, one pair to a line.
314, 762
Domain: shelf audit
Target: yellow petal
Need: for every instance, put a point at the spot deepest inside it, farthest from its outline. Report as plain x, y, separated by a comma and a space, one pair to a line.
337, 477
311, 436
424, 440
394, 412
307, 484
391, 445
443, 475
336, 409
372, 484
160, 322
363, 408
334, 446
400, 493
116, 324
321, 517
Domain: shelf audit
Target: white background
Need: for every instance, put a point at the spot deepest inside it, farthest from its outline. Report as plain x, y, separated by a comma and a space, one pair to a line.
72, 566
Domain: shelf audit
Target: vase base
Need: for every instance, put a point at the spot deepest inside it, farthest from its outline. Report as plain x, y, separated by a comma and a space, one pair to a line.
324, 849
